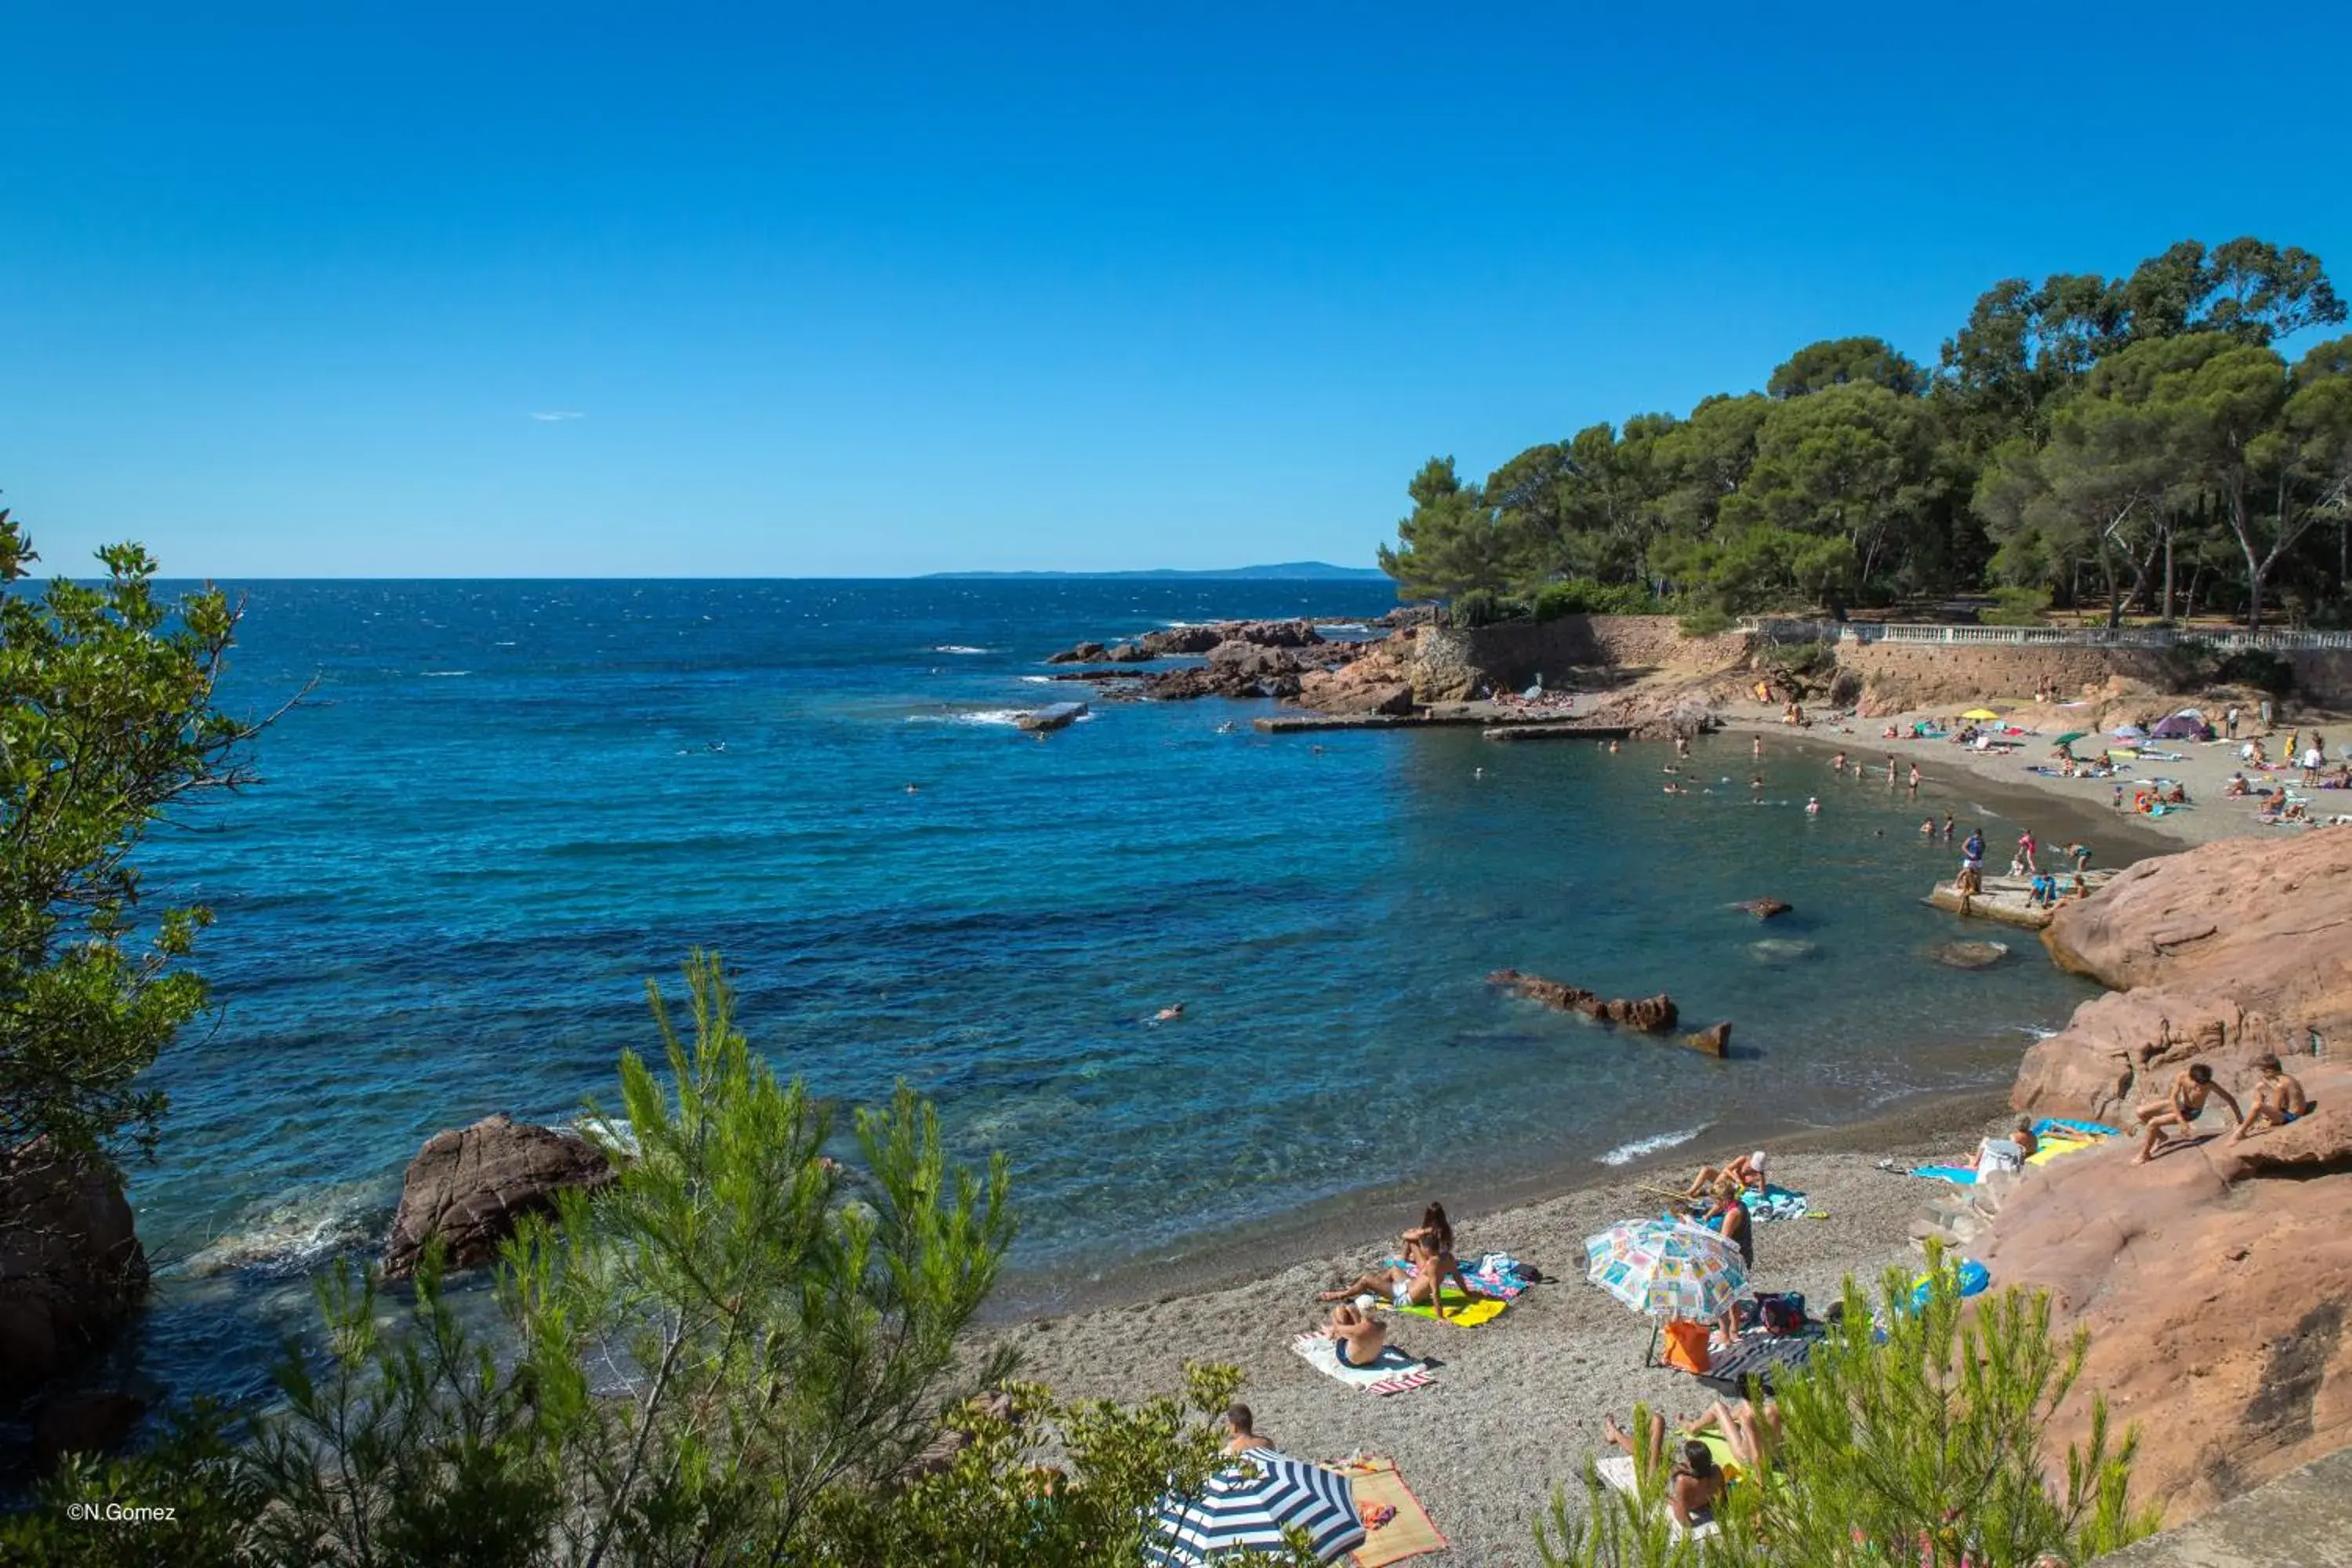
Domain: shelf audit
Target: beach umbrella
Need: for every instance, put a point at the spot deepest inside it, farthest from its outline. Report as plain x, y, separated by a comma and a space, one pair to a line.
1981, 714
2069, 737
1247, 1506
1666, 1268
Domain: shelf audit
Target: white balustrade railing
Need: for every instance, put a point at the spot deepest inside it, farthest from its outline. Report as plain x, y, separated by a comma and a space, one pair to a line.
1778, 629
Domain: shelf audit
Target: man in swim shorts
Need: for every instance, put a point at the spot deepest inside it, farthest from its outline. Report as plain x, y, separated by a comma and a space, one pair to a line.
2181, 1108
2278, 1101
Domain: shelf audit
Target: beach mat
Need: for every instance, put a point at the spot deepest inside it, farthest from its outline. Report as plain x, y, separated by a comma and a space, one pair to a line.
1409, 1534
2058, 1148
1394, 1372
2064, 1128
1616, 1472
1462, 1311
1959, 1175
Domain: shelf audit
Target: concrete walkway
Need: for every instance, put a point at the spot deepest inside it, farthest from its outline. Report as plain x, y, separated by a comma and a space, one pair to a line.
2302, 1519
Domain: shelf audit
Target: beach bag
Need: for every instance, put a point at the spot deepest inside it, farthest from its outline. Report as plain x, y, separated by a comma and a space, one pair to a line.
1999, 1154
1685, 1346
1781, 1314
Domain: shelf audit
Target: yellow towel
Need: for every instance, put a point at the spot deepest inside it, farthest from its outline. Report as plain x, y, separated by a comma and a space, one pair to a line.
2050, 1147
1464, 1311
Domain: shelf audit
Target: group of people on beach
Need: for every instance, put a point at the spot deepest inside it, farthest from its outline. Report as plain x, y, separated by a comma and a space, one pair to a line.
1428, 1265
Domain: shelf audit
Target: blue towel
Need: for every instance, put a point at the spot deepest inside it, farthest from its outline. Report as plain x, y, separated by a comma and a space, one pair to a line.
1954, 1173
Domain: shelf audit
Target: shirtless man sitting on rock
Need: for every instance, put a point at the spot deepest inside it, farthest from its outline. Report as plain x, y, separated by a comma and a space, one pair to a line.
2279, 1100
2181, 1108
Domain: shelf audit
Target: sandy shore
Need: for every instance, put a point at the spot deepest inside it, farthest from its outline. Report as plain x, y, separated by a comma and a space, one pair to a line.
1516, 1403
2203, 769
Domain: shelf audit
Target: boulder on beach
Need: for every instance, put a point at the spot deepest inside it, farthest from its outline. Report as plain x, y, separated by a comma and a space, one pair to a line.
1714, 1040
1129, 652
1084, 653
470, 1185
1968, 954
1360, 688
71, 1268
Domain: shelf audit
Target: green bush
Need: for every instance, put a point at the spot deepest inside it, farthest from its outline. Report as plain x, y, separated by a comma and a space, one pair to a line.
1588, 596
1705, 621
1915, 1439
2017, 607
790, 1345
1485, 608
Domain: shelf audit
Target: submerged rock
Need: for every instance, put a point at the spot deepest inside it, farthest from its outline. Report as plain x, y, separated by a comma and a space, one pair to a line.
1780, 950
1764, 909
470, 1185
1969, 955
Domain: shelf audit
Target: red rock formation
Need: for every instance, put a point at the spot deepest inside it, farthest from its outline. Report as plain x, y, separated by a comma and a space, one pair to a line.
1649, 1015
2216, 1280
470, 1185
2232, 948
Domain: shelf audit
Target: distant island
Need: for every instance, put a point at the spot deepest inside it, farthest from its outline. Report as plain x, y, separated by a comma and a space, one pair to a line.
1286, 571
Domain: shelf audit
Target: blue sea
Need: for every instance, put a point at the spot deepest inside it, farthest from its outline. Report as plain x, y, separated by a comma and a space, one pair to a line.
499, 807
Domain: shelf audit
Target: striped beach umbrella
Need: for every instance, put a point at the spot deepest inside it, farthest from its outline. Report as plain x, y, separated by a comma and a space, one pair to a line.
1247, 1506
1667, 1269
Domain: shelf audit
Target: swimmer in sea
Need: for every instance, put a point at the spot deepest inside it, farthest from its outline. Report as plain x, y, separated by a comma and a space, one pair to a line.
1168, 1014
1928, 828
1757, 748
1837, 763
913, 789
1813, 806
1755, 781
1612, 748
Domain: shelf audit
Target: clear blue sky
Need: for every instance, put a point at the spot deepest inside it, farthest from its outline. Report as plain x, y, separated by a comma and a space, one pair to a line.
286, 288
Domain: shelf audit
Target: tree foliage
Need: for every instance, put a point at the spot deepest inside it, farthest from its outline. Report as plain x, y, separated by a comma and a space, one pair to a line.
1918, 1439
107, 726
2133, 441
736, 1352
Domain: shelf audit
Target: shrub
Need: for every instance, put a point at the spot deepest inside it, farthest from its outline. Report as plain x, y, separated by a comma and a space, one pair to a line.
784, 1350
1587, 596
1485, 608
2017, 607
1922, 1441
1707, 621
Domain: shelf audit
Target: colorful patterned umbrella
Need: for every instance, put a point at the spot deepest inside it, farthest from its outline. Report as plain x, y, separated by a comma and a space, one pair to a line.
1246, 1508
1668, 1268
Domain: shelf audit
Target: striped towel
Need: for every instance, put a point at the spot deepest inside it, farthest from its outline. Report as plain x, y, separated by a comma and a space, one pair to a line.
1393, 1373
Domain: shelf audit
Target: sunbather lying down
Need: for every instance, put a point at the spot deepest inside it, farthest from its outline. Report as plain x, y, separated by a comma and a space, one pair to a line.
1695, 1482
1749, 1435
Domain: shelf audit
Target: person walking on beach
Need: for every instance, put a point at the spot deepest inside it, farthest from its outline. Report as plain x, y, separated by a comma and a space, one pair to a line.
2025, 848
2181, 1109
2265, 711
2229, 723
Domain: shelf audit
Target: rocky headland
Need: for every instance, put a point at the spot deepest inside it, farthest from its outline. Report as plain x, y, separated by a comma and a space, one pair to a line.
2216, 1279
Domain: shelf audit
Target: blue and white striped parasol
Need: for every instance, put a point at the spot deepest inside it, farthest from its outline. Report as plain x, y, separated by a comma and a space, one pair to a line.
1247, 1506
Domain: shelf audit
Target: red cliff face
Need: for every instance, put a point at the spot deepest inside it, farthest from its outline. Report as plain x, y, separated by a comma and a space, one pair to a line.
2228, 949
2216, 1280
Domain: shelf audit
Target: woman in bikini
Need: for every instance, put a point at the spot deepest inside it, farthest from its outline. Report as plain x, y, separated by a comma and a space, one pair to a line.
1419, 1283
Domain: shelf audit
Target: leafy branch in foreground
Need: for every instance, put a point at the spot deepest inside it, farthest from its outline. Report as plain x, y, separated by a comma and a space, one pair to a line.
737, 1352
1919, 1439
107, 724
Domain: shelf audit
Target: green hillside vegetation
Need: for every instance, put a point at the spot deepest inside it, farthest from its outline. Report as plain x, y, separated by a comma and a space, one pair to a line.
2136, 443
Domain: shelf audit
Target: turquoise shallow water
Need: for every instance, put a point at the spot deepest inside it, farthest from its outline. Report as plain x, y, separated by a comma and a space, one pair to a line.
506, 805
